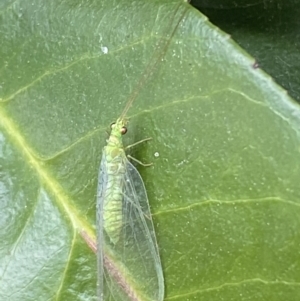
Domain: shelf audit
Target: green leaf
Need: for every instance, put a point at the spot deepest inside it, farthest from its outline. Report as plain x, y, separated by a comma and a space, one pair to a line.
224, 188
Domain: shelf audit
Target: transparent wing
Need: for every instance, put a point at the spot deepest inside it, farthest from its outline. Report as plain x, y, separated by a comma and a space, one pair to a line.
102, 185
129, 269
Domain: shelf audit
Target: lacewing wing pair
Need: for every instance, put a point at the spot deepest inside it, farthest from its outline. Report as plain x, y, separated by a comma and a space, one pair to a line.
129, 266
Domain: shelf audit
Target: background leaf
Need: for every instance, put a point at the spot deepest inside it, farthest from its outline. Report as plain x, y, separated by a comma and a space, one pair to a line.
224, 187
268, 30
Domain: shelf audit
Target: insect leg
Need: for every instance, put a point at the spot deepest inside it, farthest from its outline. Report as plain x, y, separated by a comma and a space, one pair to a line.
134, 159
138, 161
136, 143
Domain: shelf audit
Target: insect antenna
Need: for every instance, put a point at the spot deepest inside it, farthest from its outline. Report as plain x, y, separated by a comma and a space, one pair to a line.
150, 69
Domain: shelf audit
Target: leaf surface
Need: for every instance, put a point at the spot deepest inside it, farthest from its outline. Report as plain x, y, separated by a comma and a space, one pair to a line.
224, 189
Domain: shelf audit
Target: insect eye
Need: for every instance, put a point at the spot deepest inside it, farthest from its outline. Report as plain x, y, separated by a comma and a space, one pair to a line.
123, 130
111, 125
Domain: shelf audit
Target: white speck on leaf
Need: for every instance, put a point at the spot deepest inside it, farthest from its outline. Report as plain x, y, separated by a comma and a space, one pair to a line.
104, 49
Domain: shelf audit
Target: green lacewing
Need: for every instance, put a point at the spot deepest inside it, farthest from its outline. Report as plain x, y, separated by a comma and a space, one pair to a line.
129, 266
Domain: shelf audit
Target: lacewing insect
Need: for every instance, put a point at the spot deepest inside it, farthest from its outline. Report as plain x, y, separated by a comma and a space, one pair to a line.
129, 266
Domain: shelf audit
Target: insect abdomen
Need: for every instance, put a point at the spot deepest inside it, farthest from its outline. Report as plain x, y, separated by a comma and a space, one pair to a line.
113, 200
